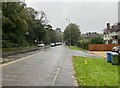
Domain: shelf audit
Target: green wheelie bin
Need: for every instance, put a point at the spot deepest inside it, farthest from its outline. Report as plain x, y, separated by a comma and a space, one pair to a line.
115, 58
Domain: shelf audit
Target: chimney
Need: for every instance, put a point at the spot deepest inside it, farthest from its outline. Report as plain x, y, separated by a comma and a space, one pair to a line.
108, 26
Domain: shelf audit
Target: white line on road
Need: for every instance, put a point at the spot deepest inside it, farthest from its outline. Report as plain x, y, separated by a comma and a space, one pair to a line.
57, 72
20, 59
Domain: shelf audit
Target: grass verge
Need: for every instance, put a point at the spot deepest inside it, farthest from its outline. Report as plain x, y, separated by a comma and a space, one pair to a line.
76, 48
95, 72
14, 49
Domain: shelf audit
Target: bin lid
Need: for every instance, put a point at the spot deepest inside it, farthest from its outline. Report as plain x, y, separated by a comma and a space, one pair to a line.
109, 52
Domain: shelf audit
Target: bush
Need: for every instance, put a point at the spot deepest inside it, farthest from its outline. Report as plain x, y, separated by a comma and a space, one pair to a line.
10, 44
7, 44
97, 40
83, 44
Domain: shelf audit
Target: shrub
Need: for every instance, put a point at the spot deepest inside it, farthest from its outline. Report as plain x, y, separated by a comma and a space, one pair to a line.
83, 44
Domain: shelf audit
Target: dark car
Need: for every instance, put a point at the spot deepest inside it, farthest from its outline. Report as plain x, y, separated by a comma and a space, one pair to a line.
116, 49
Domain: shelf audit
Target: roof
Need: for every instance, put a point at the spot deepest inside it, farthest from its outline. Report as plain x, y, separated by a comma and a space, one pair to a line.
115, 27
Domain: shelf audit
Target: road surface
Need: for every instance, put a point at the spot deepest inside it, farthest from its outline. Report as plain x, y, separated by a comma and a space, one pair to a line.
47, 68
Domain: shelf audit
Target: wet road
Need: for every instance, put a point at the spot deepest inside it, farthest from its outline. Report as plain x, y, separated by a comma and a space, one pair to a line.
47, 68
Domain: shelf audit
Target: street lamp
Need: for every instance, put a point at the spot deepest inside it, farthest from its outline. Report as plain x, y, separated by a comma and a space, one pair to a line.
68, 20
69, 30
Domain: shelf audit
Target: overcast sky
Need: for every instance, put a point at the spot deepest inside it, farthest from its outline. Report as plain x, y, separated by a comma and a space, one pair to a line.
90, 16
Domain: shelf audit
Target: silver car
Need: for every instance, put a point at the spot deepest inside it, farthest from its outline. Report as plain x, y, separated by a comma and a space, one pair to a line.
41, 45
116, 49
52, 44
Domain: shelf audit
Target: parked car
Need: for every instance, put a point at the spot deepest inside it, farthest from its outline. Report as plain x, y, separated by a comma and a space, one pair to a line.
60, 43
56, 43
41, 45
116, 49
52, 44
119, 52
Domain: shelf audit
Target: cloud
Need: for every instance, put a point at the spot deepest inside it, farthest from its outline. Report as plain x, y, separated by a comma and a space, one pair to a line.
90, 16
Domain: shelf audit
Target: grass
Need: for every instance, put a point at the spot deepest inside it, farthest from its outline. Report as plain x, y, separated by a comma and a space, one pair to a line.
76, 48
95, 72
14, 49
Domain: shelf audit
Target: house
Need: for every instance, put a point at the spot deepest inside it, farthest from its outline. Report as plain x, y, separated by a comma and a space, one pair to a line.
107, 34
90, 35
112, 33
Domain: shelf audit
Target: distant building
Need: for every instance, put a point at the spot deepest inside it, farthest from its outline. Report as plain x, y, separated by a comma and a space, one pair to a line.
90, 35
112, 34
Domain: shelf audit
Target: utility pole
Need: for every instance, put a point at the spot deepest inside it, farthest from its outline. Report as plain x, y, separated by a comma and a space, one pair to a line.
69, 30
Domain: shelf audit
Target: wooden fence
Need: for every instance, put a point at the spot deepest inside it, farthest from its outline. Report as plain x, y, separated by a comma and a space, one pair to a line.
102, 47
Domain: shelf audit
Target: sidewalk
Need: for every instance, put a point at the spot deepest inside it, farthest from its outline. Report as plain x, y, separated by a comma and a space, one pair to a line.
100, 53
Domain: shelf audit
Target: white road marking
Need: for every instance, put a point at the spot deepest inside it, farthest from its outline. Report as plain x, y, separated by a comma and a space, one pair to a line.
20, 59
57, 72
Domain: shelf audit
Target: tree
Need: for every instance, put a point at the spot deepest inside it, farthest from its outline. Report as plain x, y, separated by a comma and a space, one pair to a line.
59, 35
53, 35
97, 40
83, 44
14, 23
72, 33
21, 25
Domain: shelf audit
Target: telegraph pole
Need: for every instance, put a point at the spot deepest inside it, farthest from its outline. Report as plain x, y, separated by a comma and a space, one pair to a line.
69, 30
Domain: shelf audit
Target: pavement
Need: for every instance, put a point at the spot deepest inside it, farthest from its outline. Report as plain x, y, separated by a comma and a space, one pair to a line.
52, 67
99, 53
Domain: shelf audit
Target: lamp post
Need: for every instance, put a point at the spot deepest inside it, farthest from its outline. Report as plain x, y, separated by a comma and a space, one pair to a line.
69, 30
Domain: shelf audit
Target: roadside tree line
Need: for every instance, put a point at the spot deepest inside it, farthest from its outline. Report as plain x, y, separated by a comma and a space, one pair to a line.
73, 36
24, 26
